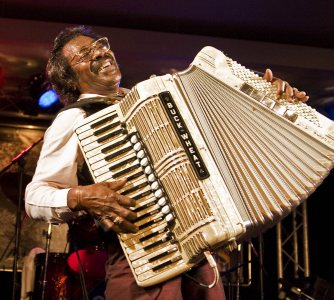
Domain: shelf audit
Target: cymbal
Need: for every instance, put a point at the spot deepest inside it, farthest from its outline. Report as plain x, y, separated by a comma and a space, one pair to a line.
10, 185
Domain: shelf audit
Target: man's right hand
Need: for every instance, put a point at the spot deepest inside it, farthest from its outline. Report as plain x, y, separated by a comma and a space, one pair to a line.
102, 202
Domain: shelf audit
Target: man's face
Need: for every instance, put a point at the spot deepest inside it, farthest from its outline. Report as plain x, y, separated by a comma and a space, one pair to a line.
97, 75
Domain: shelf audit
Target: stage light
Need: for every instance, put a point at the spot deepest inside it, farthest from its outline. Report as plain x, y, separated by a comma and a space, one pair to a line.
42, 93
47, 99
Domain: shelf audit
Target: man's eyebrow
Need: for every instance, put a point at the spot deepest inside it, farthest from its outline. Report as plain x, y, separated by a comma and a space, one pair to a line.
84, 47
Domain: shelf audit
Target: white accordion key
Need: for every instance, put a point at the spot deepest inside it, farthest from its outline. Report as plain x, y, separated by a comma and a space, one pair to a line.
134, 139
155, 185
151, 178
158, 193
141, 154
148, 170
144, 162
165, 210
137, 146
162, 201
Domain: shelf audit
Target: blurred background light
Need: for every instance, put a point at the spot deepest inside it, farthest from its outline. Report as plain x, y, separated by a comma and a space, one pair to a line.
331, 112
47, 99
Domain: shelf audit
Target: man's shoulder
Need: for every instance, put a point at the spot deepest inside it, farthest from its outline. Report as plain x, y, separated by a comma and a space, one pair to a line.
67, 119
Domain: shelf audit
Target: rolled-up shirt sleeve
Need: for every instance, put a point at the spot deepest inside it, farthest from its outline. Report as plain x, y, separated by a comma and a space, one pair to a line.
56, 170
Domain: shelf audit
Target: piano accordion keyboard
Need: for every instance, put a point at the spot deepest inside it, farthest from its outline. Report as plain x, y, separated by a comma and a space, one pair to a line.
111, 154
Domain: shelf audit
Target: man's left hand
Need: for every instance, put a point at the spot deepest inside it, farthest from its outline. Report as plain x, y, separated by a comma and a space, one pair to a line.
292, 94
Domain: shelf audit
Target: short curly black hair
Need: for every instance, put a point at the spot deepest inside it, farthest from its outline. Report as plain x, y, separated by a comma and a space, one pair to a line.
59, 73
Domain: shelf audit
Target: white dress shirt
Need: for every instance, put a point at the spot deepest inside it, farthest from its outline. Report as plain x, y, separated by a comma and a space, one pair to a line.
56, 171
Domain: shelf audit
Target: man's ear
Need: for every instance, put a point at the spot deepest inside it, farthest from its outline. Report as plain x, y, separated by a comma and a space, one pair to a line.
74, 85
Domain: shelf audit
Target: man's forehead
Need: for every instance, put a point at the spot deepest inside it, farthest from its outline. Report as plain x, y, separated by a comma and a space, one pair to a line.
77, 43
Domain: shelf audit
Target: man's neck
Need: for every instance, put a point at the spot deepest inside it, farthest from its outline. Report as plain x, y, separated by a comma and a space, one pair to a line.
120, 92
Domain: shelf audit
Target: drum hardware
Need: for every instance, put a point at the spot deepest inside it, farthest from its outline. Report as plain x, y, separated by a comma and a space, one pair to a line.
297, 287
92, 261
81, 277
87, 244
78, 229
87, 253
57, 277
236, 267
299, 292
19, 159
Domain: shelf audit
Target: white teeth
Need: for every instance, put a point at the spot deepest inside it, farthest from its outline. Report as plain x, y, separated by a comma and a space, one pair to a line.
105, 65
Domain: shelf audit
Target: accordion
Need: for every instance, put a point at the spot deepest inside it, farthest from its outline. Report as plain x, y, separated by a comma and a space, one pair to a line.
212, 158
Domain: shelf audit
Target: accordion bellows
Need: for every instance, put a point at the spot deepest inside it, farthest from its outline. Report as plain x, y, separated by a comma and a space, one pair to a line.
211, 157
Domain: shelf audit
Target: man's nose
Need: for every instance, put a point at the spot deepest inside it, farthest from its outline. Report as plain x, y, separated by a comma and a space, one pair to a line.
99, 53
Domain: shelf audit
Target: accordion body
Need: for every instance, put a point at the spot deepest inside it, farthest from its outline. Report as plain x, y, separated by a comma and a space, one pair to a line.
212, 158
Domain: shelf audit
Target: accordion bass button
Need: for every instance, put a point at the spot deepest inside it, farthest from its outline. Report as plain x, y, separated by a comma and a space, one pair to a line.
279, 109
270, 103
291, 115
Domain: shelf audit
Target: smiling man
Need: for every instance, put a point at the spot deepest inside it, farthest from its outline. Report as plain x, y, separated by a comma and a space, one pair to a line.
83, 69
85, 74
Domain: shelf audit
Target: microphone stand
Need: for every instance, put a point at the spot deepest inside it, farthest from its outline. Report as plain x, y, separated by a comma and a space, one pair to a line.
300, 293
19, 159
46, 261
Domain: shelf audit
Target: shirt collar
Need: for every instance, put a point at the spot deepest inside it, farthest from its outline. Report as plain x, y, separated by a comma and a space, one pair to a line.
84, 96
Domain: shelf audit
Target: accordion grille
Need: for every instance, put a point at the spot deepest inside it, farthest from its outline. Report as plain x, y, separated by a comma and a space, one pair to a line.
172, 166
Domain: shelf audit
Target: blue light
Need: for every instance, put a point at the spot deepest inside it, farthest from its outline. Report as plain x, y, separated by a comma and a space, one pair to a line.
331, 112
47, 99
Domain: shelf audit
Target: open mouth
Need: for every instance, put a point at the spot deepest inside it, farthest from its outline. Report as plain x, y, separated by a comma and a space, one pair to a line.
105, 65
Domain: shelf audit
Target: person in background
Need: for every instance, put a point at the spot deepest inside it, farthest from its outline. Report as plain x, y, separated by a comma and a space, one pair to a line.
82, 66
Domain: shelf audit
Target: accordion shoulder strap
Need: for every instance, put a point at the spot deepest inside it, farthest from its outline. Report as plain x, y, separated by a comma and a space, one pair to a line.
90, 105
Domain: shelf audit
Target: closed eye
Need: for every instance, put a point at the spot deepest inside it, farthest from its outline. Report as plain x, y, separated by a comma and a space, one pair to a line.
84, 53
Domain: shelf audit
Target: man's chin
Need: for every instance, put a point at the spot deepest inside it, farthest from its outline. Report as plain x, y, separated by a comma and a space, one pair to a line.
110, 74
